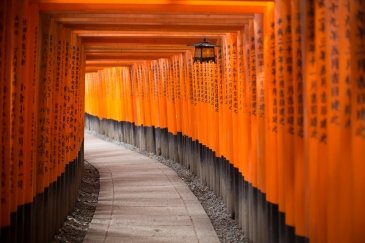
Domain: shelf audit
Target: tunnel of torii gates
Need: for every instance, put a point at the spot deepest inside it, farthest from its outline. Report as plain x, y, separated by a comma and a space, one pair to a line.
276, 127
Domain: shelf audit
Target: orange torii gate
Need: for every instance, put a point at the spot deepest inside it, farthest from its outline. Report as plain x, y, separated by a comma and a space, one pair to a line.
276, 127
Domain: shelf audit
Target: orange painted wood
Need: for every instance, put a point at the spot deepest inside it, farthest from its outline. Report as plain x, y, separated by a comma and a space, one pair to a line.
5, 116
357, 37
284, 103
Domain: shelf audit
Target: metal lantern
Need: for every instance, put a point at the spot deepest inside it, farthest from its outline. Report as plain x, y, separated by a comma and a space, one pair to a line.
204, 52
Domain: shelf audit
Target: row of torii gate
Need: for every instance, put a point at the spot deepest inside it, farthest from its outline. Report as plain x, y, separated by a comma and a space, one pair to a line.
278, 119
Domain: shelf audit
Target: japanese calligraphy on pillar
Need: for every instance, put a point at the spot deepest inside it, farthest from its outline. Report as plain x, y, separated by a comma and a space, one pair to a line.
219, 74
23, 95
177, 78
358, 64
230, 68
252, 70
311, 78
233, 84
298, 98
216, 84
333, 61
280, 45
259, 51
14, 88
273, 83
241, 73
5, 116
288, 74
321, 57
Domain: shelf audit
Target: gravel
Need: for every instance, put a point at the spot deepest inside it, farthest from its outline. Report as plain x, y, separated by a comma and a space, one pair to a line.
76, 225
226, 228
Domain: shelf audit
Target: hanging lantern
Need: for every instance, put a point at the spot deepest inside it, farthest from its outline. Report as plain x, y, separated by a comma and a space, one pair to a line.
204, 52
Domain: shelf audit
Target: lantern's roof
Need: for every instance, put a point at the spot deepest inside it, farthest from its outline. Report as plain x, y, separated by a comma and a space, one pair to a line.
203, 44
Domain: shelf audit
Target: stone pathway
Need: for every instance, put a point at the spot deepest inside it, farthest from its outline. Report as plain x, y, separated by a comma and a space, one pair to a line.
142, 200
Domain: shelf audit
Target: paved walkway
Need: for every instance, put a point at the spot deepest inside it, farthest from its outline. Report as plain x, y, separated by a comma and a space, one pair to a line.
142, 200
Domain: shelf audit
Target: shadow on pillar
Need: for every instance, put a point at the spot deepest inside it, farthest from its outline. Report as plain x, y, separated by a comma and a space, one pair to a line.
39, 221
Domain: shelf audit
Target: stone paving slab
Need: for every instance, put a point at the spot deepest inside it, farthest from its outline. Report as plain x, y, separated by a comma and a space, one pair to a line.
142, 200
